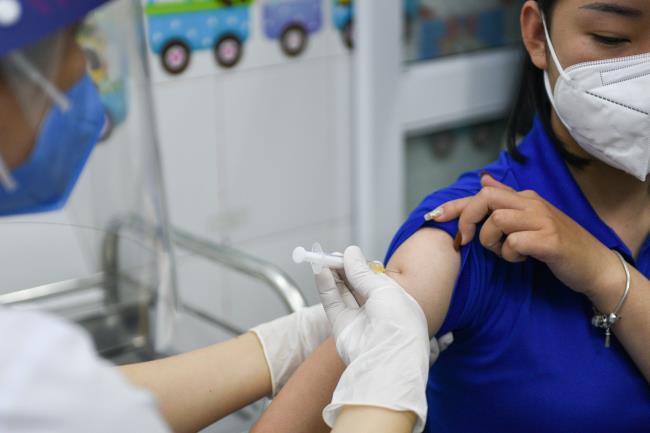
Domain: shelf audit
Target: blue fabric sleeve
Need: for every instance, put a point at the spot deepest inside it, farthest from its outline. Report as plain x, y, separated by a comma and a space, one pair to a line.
473, 269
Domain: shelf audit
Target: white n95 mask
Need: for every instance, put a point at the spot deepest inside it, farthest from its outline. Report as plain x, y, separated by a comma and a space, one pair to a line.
605, 105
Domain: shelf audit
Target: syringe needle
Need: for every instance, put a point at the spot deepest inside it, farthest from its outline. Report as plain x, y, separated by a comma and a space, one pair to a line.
390, 271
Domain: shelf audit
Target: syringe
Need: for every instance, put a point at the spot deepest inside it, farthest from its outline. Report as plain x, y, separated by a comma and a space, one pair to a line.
320, 260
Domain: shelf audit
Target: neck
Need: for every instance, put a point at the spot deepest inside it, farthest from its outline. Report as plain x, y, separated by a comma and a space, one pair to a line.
610, 190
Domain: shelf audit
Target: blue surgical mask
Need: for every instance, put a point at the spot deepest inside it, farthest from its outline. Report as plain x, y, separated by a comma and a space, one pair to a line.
65, 141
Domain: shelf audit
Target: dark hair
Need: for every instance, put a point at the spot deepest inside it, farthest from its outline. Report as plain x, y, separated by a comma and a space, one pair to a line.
532, 100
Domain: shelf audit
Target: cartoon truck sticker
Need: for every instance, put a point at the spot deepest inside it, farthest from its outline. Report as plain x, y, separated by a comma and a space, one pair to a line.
343, 13
177, 28
291, 22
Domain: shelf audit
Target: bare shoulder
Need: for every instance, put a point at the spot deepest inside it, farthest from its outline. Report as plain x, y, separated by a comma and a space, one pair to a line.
427, 267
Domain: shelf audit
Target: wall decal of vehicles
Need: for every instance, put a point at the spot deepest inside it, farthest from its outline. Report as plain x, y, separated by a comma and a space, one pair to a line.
343, 14
291, 22
177, 29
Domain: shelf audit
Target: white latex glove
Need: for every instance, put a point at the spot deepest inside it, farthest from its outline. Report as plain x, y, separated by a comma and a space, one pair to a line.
440, 345
289, 340
385, 343
437, 345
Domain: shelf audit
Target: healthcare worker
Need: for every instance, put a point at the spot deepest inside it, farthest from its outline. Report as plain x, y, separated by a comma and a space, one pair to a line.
51, 117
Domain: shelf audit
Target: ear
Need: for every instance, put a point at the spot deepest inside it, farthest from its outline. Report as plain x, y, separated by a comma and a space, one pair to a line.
532, 33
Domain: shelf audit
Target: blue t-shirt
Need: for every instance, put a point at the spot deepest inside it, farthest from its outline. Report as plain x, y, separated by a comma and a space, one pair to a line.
526, 357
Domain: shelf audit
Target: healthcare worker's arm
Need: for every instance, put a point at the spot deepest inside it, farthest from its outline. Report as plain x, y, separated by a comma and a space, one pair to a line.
363, 419
428, 267
198, 388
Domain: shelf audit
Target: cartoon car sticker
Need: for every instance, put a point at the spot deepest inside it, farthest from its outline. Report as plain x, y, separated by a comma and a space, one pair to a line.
291, 22
176, 29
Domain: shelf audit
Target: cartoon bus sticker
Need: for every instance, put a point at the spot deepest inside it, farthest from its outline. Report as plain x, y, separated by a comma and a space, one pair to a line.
177, 28
343, 14
291, 22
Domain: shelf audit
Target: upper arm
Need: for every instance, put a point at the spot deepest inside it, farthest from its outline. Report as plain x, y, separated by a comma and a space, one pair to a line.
427, 267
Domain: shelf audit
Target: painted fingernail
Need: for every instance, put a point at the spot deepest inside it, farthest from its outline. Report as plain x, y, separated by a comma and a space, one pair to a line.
483, 174
458, 241
434, 214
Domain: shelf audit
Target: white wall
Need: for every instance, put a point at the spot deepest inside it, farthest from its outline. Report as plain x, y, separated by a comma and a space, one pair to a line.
258, 157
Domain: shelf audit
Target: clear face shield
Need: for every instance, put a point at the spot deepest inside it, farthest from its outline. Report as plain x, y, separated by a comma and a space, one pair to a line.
82, 211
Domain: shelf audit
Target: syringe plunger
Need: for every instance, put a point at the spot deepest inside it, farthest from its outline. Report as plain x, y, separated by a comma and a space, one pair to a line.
320, 260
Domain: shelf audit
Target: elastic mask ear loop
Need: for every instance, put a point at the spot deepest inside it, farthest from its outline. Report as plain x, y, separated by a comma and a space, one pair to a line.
556, 59
7, 181
35, 76
558, 65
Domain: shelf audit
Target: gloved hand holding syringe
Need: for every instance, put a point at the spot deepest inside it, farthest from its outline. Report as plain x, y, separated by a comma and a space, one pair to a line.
319, 260
381, 334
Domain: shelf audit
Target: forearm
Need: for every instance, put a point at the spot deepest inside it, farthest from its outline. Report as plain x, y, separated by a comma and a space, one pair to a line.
362, 419
298, 408
633, 330
198, 388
